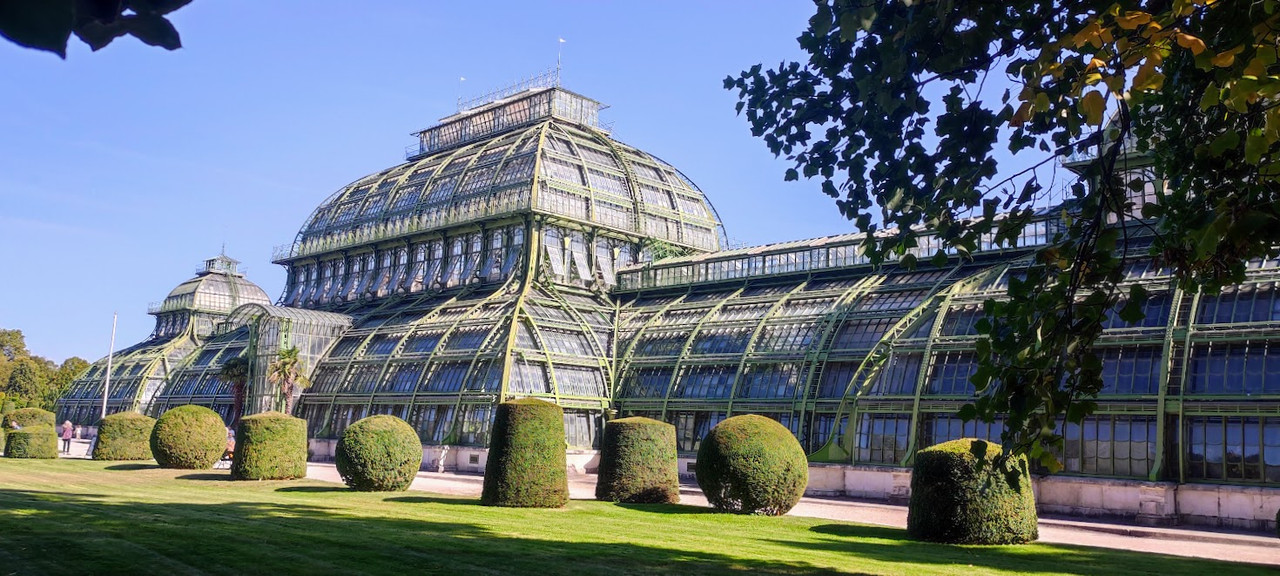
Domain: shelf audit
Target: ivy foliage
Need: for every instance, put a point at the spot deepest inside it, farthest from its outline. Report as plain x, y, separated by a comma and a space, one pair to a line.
903, 110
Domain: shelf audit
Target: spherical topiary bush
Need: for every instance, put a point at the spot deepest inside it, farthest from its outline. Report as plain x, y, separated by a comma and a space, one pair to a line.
270, 446
31, 442
124, 436
638, 462
188, 437
526, 466
379, 454
952, 500
751, 464
29, 417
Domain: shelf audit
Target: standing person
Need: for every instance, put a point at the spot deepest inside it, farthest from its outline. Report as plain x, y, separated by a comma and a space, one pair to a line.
67, 430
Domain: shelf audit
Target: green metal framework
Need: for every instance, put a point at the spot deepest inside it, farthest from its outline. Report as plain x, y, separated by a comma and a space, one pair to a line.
1192, 394
184, 320
512, 256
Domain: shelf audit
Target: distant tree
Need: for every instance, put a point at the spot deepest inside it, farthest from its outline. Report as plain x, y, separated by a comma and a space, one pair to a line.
894, 113
31, 380
236, 371
286, 371
48, 24
12, 344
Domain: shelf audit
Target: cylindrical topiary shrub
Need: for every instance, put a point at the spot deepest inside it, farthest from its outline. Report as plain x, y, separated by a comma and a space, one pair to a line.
379, 454
1277, 522
638, 462
270, 446
751, 464
29, 417
31, 442
188, 437
526, 467
957, 497
124, 436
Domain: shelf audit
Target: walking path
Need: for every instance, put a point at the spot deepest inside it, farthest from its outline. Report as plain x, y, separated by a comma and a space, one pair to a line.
1199, 543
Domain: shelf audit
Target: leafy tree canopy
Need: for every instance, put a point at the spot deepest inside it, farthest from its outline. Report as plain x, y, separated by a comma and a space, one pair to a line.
48, 24
904, 109
32, 381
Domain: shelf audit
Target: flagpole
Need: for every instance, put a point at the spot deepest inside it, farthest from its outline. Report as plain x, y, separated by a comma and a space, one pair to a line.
559, 50
106, 385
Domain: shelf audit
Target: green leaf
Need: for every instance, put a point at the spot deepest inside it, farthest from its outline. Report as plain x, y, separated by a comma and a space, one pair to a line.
1225, 141
1254, 147
152, 30
40, 24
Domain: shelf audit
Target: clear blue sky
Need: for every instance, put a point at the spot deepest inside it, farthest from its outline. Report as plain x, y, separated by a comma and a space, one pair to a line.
121, 170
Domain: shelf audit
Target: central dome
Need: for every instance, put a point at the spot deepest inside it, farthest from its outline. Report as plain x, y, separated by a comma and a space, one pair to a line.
538, 151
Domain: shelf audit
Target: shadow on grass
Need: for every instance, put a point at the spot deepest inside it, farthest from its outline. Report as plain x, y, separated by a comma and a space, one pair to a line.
892, 545
129, 536
313, 489
226, 477
444, 500
176, 528
667, 508
132, 466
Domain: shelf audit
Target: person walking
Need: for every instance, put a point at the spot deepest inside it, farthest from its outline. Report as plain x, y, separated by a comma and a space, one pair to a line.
67, 430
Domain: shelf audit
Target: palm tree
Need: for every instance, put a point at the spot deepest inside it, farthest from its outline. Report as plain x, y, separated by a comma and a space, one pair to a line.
287, 372
236, 371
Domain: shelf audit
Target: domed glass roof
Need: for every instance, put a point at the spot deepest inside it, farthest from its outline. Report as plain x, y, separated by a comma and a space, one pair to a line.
507, 158
218, 288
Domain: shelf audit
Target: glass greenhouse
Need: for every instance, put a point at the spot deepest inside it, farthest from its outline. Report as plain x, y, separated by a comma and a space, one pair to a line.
520, 251
185, 320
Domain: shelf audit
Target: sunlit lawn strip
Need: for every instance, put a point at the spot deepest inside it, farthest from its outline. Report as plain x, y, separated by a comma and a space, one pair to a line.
79, 517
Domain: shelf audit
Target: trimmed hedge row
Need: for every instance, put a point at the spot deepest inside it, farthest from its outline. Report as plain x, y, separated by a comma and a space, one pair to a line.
124, 436
189, 438
32, 442
638, 462
751, 464
28, 417
526, 467
270, 446
379, 454
954, 498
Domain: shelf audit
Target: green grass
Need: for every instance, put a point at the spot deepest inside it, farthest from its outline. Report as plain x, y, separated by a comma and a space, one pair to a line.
85, 517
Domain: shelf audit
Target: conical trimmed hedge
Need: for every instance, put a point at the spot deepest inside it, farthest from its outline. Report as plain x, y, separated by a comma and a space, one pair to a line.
124, 436
638, 462
188, 437
379, 454
952, 500
32, 442
270, 446
526, 467
751, 464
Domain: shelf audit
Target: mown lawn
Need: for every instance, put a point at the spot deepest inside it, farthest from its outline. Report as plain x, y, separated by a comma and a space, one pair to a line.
82, 517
